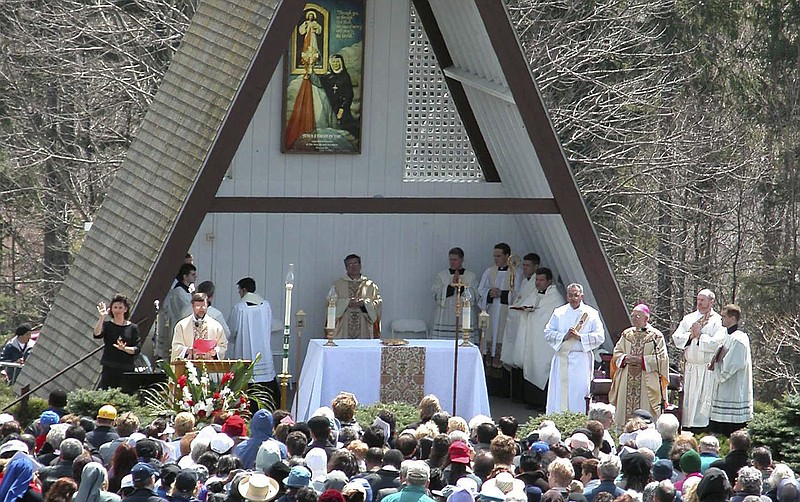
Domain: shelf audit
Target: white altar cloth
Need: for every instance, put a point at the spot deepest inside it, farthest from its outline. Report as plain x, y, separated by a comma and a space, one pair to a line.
355, 366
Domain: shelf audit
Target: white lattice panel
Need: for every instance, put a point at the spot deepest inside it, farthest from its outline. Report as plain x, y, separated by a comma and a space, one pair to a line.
437, 146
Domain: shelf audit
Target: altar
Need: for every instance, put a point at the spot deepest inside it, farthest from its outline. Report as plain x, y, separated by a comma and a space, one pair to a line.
355, 366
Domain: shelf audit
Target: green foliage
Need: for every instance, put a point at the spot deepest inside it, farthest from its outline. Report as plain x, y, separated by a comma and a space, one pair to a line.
84, 402
404, 414
566, 422
36, 406
778, 427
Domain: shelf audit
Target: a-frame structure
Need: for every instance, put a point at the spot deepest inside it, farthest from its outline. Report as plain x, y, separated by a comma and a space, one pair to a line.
206, 105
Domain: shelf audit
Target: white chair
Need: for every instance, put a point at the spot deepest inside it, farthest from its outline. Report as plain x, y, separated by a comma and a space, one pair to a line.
409, 328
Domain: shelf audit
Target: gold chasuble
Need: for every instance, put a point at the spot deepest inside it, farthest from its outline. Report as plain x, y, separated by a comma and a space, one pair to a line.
357, 322
633, 387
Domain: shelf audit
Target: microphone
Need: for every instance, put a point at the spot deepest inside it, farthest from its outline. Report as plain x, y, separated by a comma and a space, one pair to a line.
157, 305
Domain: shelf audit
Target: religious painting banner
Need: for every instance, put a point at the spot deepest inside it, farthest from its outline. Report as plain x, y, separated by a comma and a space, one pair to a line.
402, 375
323, 91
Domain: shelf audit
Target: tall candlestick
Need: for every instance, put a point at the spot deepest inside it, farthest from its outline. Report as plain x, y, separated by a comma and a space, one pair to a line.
466, 316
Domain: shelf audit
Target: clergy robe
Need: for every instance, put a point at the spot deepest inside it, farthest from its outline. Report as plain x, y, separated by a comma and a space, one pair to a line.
177, 305
573, 364
356, 322
733, 376
251, 331
531, 349
632, 389
697, 383
526, 297
187, 331
444, 321
497, 308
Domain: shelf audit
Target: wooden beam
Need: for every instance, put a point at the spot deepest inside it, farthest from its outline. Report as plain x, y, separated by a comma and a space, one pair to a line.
554, 164
215, 165
383, 205
457, 93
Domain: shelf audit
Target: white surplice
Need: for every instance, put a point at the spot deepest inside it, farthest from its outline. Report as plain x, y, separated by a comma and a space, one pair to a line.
444, 321
732, 402
531, 350
526, 297
498, 312
573, 364
697, 382
250, 323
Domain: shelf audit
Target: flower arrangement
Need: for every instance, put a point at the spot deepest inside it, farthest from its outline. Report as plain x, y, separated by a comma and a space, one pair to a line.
203, 396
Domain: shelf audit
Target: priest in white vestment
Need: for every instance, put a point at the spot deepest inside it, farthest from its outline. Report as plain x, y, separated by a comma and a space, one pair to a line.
177, 305
496, 291
574, 331
444, 321
358, 303
531, 351
524, 301
639, 368
732, 401
698, 335
250, 323
198, 336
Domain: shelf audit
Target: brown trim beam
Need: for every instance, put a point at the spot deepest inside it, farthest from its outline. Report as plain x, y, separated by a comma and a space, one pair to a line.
457, 92
215, 165
383, 205
554, 164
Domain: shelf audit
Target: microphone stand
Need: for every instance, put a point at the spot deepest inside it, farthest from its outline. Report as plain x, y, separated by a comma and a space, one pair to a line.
663, 403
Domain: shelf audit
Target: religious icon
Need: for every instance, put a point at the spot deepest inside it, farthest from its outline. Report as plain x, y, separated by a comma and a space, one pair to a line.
322, 95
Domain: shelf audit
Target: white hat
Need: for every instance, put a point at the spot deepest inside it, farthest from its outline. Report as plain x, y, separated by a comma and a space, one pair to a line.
6, 417
258, 487
127, 481
221, 443
14, 445
579, 440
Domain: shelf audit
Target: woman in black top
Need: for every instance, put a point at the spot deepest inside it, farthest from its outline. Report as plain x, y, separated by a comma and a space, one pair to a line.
121, 339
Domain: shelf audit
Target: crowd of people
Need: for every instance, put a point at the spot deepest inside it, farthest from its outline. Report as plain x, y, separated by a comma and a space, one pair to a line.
331, 457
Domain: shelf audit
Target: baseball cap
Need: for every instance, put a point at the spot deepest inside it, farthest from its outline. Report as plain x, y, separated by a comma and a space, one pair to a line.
11, 447
107, 412
186, 481
299, 477
142, 471
418, 471
234, 426
459, 452
48, 417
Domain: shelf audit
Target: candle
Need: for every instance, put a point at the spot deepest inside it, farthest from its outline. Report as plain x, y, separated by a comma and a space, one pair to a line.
466, 317
330, 322
287, 312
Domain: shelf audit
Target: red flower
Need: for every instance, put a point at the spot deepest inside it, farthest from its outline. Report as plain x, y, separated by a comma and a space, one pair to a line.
201, 414
226, 377
243, 399
190, 402
182, 381
216, 395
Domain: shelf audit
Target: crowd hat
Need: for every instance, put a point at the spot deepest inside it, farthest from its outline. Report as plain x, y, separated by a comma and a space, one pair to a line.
459, 452
142, 472
418, 471
662, 469
107, 412
234, 426
186, 481
258, 487
221, 443
579, 440
690, 462
48, 417
299, 477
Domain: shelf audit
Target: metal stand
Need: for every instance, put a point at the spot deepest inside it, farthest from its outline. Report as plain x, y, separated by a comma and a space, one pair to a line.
329, 336
300, 322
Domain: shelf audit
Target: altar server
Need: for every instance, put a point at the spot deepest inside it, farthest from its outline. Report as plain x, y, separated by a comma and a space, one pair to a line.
531, 351
732, 370
495, 295
250, 323
574, 331
525, 298
444, 321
